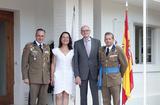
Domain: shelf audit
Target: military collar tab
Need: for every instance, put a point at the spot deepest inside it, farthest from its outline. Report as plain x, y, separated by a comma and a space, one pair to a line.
113, 48
34, 43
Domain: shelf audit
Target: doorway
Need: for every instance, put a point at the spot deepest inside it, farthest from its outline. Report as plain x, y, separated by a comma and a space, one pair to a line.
6, 57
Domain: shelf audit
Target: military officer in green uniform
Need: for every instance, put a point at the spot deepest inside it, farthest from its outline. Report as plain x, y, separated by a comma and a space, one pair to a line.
36, 68
113, 62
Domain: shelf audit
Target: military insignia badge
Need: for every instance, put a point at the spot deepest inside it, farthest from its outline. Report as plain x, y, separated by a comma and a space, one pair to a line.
34, 53
46, 52
111, 56
47, 55
31, 48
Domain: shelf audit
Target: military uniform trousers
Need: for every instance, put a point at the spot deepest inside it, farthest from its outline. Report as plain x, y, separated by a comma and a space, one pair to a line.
38, 91
108, 91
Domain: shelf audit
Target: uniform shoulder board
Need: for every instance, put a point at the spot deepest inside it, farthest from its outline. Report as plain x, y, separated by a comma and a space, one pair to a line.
29, 46
118, 48
102, 48
47, 46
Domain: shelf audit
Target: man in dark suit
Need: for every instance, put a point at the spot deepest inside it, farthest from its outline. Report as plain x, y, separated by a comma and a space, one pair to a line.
86, 65
114, 65
36, 69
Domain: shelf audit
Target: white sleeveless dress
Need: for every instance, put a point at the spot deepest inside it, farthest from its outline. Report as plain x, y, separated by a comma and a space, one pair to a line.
63, 75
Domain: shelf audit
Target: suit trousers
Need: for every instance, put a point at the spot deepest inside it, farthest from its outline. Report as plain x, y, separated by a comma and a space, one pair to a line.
84, 90
38, 94
113, 91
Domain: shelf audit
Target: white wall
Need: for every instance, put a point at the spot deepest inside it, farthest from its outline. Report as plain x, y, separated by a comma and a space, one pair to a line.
64, 19
72, 18
86, 13
28, 15
59, 18
43, 12
153, 69
97, 19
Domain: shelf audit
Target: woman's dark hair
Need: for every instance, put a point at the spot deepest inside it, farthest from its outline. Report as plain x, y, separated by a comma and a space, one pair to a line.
70, 40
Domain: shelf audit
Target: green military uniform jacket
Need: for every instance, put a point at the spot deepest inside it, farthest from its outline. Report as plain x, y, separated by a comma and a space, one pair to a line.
36, 63
115, 58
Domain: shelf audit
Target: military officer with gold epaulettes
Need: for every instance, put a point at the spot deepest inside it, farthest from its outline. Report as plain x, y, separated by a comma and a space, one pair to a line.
36, 68
113, 62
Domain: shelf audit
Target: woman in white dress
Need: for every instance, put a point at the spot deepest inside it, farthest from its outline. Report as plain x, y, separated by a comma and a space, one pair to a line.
61, 70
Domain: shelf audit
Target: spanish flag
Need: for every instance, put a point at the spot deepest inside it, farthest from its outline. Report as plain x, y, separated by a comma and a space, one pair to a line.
128, 84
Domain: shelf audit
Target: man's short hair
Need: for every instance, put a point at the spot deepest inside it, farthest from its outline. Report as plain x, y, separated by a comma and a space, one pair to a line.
85, 26
109, 33
40, 29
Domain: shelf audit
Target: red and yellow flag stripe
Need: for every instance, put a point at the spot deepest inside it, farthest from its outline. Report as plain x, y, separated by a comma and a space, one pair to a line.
128, 84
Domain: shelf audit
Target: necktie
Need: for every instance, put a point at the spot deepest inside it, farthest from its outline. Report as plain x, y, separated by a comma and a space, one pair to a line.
87, 47
107, 52
40, 46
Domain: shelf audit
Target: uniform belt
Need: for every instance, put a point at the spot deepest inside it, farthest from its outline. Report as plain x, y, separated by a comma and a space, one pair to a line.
111, 70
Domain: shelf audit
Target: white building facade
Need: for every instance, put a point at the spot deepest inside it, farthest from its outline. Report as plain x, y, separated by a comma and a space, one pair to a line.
56, 16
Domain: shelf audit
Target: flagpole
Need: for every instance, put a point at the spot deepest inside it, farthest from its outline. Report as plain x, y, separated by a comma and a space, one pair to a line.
128, 83
73, 39
144, 49
126, 5
73, 21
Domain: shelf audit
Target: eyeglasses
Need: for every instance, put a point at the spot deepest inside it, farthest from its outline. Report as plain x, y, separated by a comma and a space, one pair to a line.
85, 30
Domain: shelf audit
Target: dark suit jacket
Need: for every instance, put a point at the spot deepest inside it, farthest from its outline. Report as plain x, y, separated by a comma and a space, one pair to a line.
82, 63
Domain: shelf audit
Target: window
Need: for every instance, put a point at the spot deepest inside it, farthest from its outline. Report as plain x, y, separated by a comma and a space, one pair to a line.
139, 44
